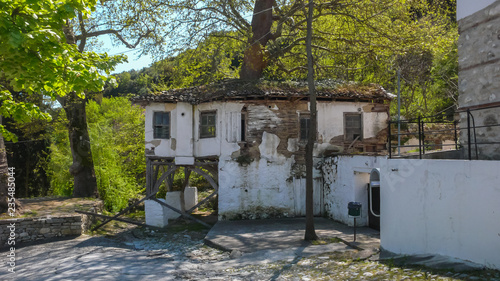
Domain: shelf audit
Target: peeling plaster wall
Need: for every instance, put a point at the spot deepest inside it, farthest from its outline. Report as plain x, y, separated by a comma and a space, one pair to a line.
263, 175
160, 147
258, 190
345, 178
265, 187
280, 118
373, 122
446, 207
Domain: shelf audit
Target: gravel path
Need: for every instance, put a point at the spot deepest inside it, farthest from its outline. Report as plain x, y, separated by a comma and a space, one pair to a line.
149, 255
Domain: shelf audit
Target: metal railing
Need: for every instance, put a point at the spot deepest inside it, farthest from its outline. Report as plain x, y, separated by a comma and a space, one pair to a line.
471, 130
422, 129
448, 130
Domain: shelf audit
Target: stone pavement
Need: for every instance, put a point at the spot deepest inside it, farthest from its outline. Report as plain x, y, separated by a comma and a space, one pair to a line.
261, 250
249, 236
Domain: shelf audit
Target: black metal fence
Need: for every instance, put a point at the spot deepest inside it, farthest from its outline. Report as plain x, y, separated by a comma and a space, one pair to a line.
472, 142
426, 129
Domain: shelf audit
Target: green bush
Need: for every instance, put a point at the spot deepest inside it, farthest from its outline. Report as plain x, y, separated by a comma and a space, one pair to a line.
116, 131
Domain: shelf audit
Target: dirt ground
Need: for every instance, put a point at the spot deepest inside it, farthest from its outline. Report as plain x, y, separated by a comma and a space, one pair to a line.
54, 206
64, 206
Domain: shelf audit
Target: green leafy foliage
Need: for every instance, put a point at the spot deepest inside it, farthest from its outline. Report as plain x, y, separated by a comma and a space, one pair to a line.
212, 60
35, 57
117, 137
364, 41
194, 180
61, 181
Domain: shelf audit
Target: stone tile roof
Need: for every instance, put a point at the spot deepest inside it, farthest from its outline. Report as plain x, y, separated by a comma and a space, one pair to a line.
238, 90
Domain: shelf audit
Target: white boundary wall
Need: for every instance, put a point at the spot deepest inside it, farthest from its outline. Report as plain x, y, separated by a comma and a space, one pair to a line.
447, 207
345, 179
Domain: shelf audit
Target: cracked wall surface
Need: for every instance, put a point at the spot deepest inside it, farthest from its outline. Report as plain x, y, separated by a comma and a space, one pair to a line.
263, 174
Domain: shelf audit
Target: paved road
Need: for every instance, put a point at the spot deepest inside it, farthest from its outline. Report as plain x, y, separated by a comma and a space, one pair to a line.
100, 258
142, 254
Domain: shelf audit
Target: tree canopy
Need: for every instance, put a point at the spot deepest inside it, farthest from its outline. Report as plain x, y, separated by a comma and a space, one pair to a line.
35, 57
364, 41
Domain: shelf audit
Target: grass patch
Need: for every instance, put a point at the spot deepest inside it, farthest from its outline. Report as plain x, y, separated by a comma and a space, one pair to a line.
180, 227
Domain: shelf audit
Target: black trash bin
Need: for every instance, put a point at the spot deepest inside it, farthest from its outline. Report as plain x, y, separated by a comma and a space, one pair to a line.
354, 209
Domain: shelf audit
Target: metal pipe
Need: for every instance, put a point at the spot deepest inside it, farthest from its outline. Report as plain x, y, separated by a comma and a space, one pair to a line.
468, 133
354, 230
419, 140
423, 137
399, 112
389, 140
456, 136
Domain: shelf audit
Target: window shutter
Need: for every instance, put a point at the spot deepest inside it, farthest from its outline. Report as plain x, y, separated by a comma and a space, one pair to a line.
233, 126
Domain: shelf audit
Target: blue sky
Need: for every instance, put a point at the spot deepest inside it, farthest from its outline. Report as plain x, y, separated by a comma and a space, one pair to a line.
134, 62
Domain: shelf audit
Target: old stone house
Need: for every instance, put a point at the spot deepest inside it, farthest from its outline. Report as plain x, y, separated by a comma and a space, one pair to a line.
252, 136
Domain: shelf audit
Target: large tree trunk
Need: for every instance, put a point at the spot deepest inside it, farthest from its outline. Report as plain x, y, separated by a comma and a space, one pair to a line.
82, 169
254, 60
4, 183
310, 231
3, 175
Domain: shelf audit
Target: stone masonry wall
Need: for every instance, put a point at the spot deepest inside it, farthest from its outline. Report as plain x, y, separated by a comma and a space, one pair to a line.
479, 77
31, 229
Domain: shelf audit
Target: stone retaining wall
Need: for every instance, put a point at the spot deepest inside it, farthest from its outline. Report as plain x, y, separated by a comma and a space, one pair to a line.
479, 79
31, 229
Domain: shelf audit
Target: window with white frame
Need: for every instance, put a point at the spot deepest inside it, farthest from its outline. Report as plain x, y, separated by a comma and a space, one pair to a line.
208, 120
161, 125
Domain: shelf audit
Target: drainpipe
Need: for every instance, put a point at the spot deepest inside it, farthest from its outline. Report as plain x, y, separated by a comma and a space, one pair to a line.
399, 112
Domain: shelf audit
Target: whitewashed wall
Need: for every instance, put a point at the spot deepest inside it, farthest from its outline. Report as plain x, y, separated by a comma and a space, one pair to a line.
185, 140
345, 179
265, 187
162, 147
331, 119
271, 184
447, 207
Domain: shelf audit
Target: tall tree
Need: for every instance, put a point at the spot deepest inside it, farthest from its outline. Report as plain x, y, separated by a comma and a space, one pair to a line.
310, 233
36, 58
127, 22
354, 39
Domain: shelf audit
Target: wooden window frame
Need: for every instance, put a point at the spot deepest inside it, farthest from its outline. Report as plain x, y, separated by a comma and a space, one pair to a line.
244, 126
155, 136
304, 116
208, 112
361, 125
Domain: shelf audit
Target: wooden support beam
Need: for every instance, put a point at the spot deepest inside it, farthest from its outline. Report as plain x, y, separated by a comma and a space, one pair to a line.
171, 169
182, 214
148, 175
112, 218
206, 176
124, 211
202, 202
202, 164
199, 204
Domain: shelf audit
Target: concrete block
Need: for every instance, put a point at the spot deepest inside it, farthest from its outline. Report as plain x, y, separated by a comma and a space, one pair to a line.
155, 213
173, 199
